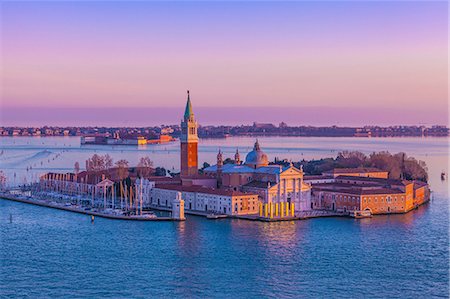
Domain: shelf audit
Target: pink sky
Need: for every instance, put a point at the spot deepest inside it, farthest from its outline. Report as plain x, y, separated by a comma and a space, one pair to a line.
370, 56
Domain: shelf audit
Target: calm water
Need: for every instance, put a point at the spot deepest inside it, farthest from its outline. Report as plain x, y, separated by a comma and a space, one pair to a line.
50, 253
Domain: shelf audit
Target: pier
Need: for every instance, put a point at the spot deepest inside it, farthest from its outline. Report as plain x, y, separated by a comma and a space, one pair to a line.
54, 205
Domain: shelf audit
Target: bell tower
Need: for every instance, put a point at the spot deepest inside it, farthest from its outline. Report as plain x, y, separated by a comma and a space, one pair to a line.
237, 157
189, 141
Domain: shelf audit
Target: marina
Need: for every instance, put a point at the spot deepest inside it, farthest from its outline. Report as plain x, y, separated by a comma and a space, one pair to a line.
148, 215
80, 210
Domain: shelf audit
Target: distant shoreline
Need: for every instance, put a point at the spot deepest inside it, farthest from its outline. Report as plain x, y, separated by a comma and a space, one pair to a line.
168, 132
256, 135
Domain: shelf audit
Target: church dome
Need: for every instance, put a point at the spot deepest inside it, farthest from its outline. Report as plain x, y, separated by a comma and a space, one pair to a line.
256, 158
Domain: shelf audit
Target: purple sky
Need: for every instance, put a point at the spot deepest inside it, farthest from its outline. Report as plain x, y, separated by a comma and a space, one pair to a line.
317, 63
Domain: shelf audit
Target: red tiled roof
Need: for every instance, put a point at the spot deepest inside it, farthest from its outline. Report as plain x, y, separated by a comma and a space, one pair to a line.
382, 191
358, 190
316, 177
419, 184
164, 179
354, 170
198, 177
259, 184
375, 180
199, 189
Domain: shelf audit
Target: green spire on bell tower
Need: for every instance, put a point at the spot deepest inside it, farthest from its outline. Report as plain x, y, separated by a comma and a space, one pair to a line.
188, 111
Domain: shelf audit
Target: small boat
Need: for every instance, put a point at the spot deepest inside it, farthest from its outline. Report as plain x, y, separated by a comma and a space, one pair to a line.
143, 216
361, 214
443, 175
148, 213
216, 216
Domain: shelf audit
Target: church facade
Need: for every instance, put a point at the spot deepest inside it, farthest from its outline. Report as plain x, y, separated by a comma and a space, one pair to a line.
273, 183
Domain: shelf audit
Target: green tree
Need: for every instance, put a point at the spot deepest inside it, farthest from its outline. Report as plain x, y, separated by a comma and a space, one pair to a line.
228, 161
160, 171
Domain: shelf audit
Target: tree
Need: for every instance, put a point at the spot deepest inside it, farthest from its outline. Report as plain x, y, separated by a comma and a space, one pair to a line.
95, 163
315, 167
385, 161
160, 171
415, 170
109, 162
228, 161
122, 169
351, 159
145, 166
399, 166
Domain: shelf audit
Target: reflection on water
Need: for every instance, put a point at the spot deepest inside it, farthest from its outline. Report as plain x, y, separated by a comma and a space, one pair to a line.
395, 220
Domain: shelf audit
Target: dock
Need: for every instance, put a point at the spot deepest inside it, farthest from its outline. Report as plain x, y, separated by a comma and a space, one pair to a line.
86, 212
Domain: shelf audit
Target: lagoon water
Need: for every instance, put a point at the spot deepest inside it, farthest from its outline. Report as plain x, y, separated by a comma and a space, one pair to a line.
52, 253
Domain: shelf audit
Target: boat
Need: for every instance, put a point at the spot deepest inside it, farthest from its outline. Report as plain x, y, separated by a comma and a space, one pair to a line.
143, 216
443, 175
361, 214
216, 216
